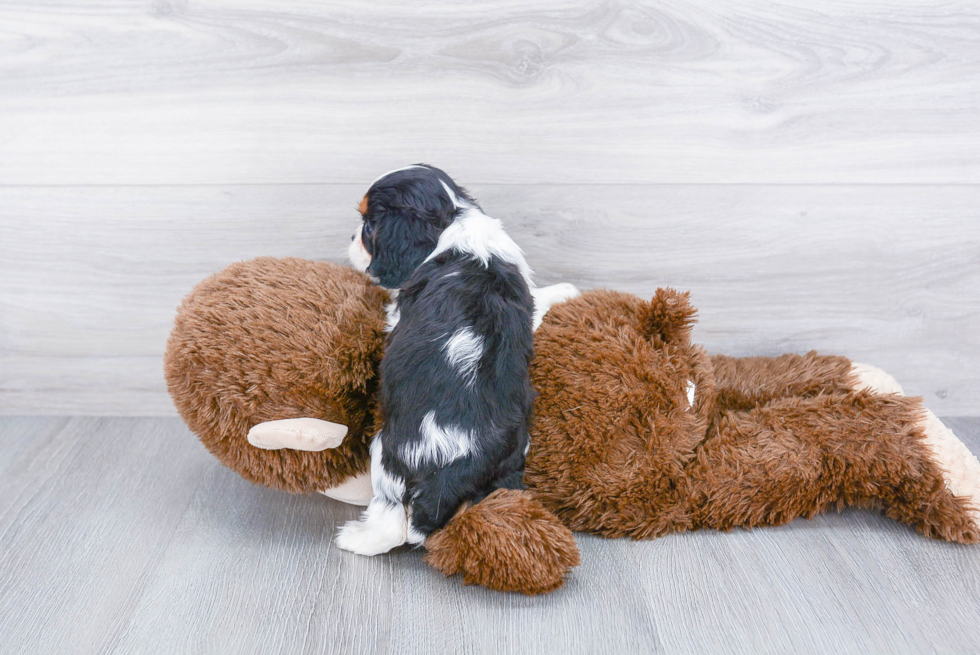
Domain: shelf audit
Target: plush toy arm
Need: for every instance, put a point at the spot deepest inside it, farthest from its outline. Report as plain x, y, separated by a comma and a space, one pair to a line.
545, 297
745, 382
298, 434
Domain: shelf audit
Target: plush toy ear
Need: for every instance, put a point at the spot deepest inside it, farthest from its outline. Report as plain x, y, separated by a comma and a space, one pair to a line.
669, 317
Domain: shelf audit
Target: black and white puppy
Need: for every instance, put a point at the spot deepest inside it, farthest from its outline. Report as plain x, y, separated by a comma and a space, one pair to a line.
455, 390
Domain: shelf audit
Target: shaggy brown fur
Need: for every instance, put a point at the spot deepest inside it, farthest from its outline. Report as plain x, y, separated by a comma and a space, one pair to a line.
744, 383
506, 542
615, 448
279, 338
615, 452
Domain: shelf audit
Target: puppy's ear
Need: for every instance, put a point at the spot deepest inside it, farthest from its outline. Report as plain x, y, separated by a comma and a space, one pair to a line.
669, 317
415, 211
402, 242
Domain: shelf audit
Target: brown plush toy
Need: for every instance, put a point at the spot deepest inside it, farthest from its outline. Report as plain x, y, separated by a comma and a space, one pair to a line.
636, 431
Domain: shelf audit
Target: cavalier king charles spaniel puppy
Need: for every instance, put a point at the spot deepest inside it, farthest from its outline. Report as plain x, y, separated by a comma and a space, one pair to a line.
455, 392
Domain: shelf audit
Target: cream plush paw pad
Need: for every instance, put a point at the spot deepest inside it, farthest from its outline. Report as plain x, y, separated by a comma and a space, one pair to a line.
874, 379
297, 434
353, 491
960, 467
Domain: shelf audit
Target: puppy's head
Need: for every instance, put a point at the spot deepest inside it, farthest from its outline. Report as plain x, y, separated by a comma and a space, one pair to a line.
403, 213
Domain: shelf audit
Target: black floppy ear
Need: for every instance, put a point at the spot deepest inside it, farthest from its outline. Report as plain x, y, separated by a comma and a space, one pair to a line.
402, 242
670, 317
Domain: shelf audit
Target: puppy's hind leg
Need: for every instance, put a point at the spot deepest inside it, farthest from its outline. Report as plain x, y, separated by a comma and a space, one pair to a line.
384, 525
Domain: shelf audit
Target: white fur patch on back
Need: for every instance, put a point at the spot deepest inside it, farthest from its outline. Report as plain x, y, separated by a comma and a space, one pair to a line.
474, 233
691, 388
463, 351
439, 445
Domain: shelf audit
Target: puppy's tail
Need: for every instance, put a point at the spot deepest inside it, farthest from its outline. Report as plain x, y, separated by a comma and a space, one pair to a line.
506, 542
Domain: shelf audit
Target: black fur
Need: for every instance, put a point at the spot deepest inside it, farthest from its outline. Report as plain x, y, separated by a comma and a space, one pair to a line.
438, 298
407, 211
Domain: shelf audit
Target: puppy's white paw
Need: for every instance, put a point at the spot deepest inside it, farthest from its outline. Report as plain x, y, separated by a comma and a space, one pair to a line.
382, 528
874, 379
361, 538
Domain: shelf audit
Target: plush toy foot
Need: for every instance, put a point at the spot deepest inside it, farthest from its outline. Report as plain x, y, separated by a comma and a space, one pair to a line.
382, 527
545, 297
353, 491
874, 379
297, 434
961, 470
506, 542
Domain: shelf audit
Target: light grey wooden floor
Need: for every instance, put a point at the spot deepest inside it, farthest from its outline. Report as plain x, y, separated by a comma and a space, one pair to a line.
123, 535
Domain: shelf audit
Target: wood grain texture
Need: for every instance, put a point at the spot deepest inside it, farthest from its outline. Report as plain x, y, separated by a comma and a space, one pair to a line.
225, 92
124, 535
90, 277
88, 508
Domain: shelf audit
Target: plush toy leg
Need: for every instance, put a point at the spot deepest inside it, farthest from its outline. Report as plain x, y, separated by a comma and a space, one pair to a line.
872, 378
506, 542
961, 470
354, 491
799, 457
745, 382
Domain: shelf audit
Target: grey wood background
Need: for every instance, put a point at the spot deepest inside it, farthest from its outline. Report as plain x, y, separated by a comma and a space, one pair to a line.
123, 535
810, 170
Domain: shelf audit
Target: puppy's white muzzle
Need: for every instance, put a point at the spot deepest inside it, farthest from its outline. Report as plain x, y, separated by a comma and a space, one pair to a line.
358, 255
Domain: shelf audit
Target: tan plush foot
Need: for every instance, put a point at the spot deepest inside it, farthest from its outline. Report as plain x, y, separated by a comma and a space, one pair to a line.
353, 491
874, 379
960, 467
297, 434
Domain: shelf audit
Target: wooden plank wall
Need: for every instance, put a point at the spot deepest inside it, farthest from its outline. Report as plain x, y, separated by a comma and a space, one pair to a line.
810, 170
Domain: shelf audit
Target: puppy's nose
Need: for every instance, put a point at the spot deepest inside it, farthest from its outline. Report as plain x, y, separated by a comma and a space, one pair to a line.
353, 236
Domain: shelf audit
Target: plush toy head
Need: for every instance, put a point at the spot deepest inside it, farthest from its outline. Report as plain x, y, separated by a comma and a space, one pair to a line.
273, 339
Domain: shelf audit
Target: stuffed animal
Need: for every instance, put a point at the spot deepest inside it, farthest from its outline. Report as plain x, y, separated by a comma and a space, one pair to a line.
636, 431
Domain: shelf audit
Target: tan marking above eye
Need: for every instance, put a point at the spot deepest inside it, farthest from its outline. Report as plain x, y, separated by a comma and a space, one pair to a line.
363, 206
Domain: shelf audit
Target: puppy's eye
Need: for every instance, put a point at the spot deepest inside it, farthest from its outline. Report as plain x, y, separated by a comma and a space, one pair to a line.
368, 228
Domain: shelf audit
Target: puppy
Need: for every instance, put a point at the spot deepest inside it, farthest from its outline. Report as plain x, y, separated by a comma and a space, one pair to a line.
455, 390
